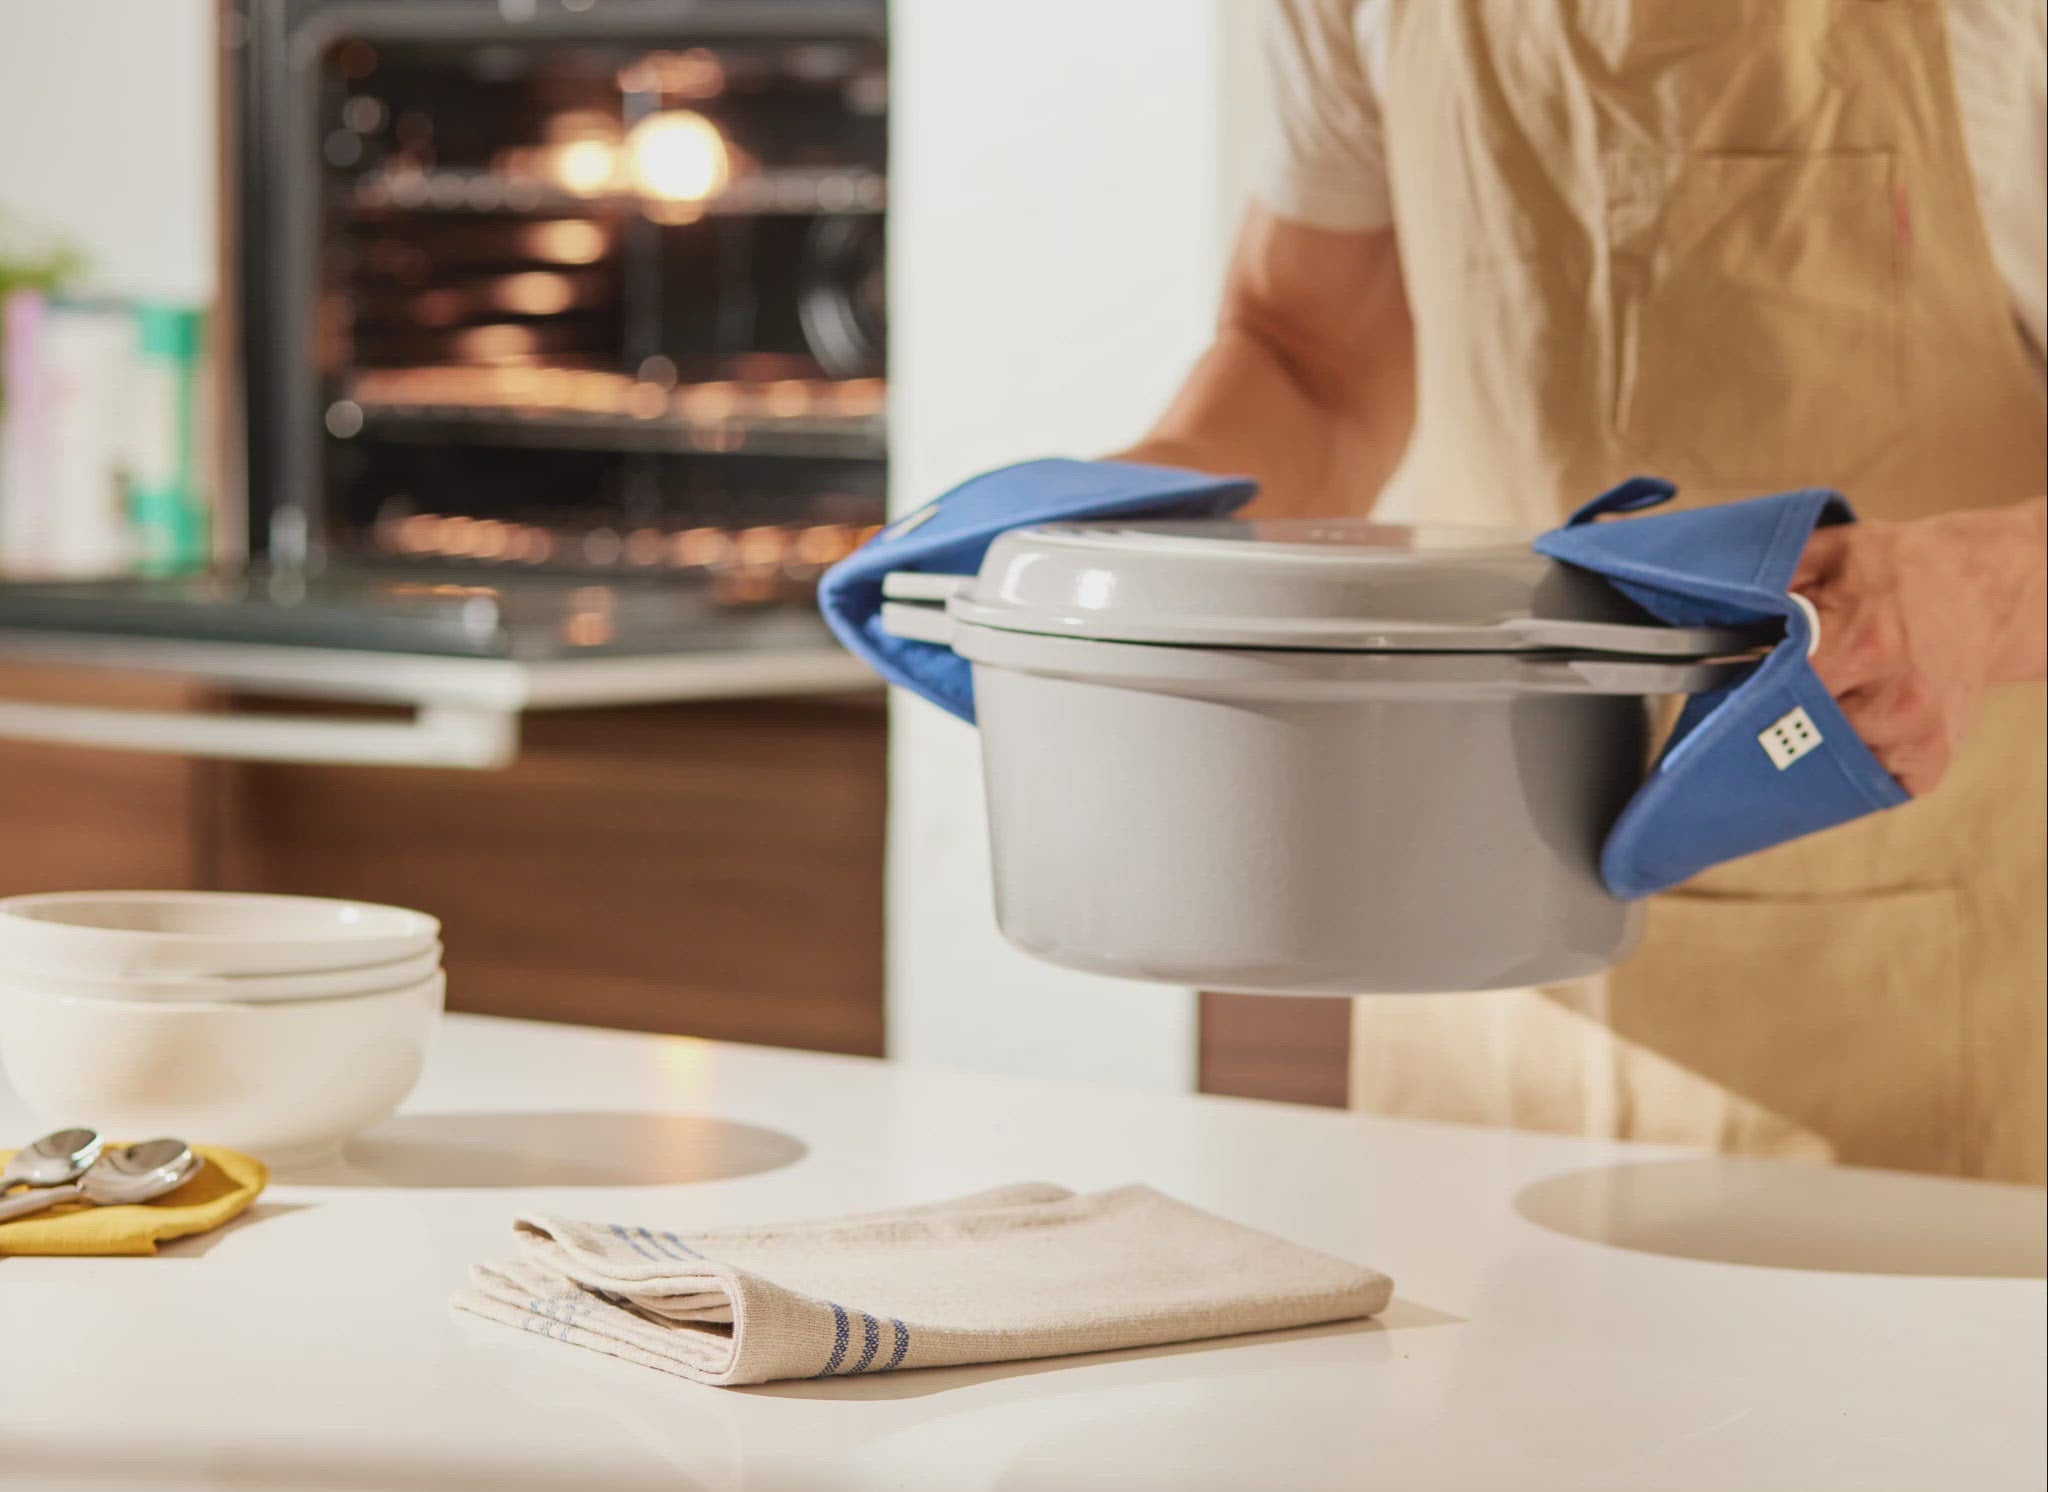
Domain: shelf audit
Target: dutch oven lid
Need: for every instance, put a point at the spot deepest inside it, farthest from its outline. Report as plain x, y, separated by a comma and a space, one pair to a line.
1337, 585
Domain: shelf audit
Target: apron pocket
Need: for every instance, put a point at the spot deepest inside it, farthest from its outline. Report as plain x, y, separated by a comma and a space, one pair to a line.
1754, 314
1842, 1015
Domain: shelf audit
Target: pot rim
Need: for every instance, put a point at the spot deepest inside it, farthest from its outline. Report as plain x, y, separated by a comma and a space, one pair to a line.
1325, 674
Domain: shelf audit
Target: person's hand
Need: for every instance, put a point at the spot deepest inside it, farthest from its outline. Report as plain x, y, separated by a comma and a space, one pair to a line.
1918, 619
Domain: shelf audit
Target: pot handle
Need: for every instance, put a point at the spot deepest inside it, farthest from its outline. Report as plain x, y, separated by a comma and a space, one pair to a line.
914, 605
923, 585
918, 623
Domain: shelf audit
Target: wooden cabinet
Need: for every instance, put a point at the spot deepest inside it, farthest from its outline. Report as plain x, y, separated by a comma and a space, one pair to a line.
713, 870
1295, 1048
76, 820
706, 869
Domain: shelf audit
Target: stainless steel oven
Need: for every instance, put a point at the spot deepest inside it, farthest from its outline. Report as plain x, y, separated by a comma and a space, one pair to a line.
556, 336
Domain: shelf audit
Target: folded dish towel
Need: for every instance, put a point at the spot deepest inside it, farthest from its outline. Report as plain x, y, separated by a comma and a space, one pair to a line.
218, 1192
1023, 1271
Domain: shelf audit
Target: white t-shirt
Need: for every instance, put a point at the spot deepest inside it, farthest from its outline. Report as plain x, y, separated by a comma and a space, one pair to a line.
1328, 61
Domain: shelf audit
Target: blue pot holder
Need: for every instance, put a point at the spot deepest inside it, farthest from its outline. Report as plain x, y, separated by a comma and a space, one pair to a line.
1766, 759
949, 535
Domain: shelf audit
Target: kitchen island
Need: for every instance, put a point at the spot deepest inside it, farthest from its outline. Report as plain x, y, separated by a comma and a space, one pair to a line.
1567, 1314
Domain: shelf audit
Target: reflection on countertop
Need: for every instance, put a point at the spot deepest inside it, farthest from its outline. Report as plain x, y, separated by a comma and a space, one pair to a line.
566, 1148
1839, 1219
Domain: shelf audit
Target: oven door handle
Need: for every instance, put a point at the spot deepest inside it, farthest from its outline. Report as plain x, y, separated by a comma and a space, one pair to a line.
436, 736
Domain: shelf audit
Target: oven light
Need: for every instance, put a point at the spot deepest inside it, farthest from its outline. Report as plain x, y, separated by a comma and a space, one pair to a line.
536, 293
670, 214
498, 340
761, 547
568, 241
585, 166
677, 156
701, 548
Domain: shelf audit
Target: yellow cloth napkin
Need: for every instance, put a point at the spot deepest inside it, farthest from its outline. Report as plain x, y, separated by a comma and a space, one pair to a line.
220, 1190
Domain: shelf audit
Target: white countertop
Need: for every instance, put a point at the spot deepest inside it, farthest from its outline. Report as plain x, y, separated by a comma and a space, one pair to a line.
1768, 1327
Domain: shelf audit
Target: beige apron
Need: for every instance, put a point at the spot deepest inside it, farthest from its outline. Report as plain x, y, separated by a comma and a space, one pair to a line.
1735, 243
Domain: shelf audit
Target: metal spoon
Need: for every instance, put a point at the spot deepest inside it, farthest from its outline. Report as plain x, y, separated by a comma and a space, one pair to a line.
52, 1160
131, 1173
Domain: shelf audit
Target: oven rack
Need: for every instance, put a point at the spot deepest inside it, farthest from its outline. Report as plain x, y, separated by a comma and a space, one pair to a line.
767, 191
857, 438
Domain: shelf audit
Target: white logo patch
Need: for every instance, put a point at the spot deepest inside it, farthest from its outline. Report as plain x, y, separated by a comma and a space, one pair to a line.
1788, 738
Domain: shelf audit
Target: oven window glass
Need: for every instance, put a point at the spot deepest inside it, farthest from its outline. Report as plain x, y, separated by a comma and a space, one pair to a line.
591, 306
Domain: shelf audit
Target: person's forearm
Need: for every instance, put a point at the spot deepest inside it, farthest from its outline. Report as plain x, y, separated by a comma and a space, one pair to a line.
1243, 411
2023, 649
1308, 386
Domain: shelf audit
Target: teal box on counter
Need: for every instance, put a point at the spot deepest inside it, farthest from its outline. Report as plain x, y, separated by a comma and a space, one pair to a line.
165, 502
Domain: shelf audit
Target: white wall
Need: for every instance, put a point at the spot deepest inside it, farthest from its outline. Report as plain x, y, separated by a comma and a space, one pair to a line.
106, 136
1063, 180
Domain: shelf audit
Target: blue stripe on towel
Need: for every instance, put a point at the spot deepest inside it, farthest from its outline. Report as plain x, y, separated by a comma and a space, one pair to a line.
871, 1341
627, 1239
549, 1317
538, 1320
902, 1346
692, 1253
654, 1242
841, 1335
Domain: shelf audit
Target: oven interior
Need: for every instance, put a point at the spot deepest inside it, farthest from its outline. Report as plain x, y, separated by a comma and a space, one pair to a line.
573, 294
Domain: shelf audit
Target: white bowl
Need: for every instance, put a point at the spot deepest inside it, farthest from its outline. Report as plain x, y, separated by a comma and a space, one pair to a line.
286, 1083
153, 934
232, 989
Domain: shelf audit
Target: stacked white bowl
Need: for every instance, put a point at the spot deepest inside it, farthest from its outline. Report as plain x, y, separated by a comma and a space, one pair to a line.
276, 1025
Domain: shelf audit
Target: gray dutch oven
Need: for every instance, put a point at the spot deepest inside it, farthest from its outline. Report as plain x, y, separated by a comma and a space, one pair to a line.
1306, 758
